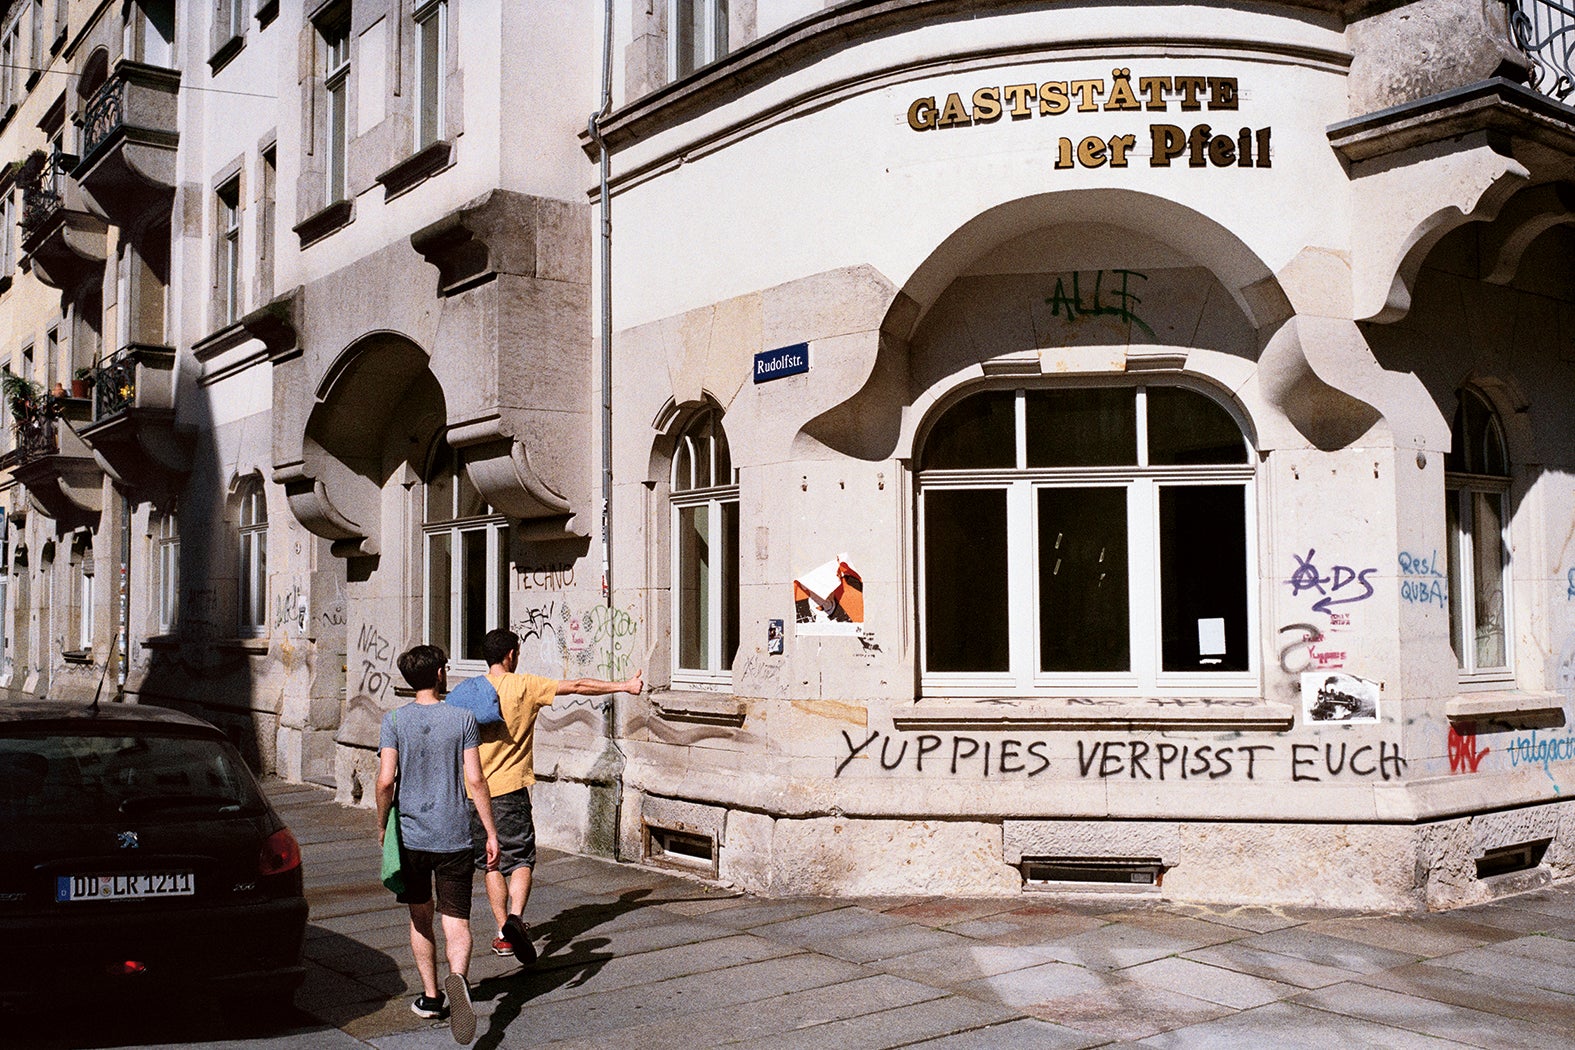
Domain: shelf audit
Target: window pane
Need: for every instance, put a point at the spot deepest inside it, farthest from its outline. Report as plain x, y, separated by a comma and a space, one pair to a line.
719, 31
431, 55
1185, 427
980, 431
1487, 530
440, 493
471, 505
472, 593
729, 568
1082, 428
694, 586
500, 584
247, 598
260, 587
1203, 577
965, 594
1457, 626
1084, 622
688, 35
440, 574
683, 466
338, 140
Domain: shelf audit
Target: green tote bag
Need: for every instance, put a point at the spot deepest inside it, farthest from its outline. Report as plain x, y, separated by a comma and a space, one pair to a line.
393, 874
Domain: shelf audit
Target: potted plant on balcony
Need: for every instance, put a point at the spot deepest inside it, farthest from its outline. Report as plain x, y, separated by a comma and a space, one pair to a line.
81, 382
33, 411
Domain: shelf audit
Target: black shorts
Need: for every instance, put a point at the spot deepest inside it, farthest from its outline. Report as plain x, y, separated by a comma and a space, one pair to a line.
451, 871
516, 832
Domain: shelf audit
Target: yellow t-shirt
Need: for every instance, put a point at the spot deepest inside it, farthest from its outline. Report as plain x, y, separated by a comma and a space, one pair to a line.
508, 749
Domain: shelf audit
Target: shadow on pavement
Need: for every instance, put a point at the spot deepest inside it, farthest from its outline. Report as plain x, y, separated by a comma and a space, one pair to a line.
565, 960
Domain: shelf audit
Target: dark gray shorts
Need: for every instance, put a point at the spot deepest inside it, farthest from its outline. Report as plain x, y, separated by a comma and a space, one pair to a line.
516, 832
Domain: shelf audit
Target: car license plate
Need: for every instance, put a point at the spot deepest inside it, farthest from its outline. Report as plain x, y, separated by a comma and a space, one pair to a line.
125, 887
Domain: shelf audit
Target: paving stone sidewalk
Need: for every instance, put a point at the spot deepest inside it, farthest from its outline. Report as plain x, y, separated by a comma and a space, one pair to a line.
633, 957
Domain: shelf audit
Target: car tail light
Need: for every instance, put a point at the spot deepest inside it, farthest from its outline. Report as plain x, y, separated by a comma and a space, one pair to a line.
281, 853
128, 968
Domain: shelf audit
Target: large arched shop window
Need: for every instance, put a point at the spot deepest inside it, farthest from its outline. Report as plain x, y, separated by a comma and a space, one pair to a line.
1476, 482
1090, 539
705, 552
466, 548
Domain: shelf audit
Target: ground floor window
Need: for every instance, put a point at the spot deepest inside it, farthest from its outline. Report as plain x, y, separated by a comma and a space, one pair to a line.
1476, 480
1085, 539
705, 552
466, 563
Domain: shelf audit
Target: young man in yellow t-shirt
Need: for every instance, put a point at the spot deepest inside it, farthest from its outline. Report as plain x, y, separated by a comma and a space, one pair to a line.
507, 762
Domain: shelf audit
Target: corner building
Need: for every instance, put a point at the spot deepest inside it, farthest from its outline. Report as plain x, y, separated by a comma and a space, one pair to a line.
1084, 449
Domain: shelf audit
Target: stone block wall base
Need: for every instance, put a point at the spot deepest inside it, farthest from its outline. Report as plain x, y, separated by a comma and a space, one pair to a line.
1368, 867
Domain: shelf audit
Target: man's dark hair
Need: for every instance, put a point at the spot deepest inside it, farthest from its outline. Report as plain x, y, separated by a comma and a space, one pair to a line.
498, 644
420, 666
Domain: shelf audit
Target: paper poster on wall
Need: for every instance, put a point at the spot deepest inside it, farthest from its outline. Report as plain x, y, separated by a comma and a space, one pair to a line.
1330, 697
829, 599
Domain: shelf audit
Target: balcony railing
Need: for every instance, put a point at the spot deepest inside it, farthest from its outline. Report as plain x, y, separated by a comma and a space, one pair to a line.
1545, 31
35, 439
115, 383
42, 198
104, 114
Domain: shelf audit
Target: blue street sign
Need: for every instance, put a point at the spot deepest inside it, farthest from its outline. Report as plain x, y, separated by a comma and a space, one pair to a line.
782, 362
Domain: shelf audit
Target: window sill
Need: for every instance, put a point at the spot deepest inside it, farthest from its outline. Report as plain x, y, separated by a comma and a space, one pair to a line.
718, 709
33, 78
226, 51
334, 217
219, 340
417, 168
171, 642
60, 41
1468, 707
267, 13
77, 656
1189, 712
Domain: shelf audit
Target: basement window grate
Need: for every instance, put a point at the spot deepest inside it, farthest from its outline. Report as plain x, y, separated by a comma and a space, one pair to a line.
680, 849
1506, 860
1092, 873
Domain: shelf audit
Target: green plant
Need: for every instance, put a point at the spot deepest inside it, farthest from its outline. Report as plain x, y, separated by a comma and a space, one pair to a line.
83, 373
29, 402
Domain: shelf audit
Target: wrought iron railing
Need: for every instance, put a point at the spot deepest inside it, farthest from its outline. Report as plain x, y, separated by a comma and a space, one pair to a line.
1545, 31
35, 439
43, 197
104, 114
114, 384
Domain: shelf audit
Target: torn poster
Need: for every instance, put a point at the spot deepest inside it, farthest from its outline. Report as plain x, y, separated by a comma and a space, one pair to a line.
829, 599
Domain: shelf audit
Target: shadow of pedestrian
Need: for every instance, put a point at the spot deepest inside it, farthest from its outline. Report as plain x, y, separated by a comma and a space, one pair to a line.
565, 960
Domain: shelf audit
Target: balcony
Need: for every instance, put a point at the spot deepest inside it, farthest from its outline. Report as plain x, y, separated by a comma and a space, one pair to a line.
64, 241
129, 136
133, 433
63, 480
1545, 31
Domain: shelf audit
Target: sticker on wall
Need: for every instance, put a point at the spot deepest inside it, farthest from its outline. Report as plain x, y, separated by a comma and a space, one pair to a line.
829, 599
774, 638
1339, 698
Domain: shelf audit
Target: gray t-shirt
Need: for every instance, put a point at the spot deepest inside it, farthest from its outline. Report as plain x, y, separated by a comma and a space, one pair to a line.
434, 814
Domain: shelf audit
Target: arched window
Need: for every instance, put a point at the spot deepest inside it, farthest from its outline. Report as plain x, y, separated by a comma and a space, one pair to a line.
1476, 482
705, 552
1091, 540
252, 528
467, 576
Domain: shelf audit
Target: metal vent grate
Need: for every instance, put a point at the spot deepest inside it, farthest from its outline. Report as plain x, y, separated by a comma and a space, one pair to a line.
680, 849
1103, 873
1505, 860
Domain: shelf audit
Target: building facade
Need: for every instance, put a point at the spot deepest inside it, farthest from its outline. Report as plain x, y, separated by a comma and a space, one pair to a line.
1026, 446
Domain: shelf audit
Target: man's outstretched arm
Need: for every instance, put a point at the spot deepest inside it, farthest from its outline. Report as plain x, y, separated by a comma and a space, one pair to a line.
597, 687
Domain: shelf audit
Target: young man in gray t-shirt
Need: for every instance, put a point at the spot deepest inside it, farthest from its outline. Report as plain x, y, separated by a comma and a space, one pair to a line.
427, 753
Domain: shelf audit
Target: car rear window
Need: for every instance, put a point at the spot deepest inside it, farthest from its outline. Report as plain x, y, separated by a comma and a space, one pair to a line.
82, 777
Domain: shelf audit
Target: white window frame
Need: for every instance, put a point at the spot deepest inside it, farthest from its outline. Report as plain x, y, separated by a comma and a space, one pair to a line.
229, 253
713, 42
494, 527
234, 14
431, 17
712, 495
252, 559
1461, 489
8, 235
84, 599
335, 35
1143, 484
10, 59
166, 555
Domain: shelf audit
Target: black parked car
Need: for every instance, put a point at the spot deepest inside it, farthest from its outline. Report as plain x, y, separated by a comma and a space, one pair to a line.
138, 855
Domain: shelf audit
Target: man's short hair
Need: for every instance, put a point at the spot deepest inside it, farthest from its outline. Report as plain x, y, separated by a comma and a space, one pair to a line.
498, 644
420, 665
